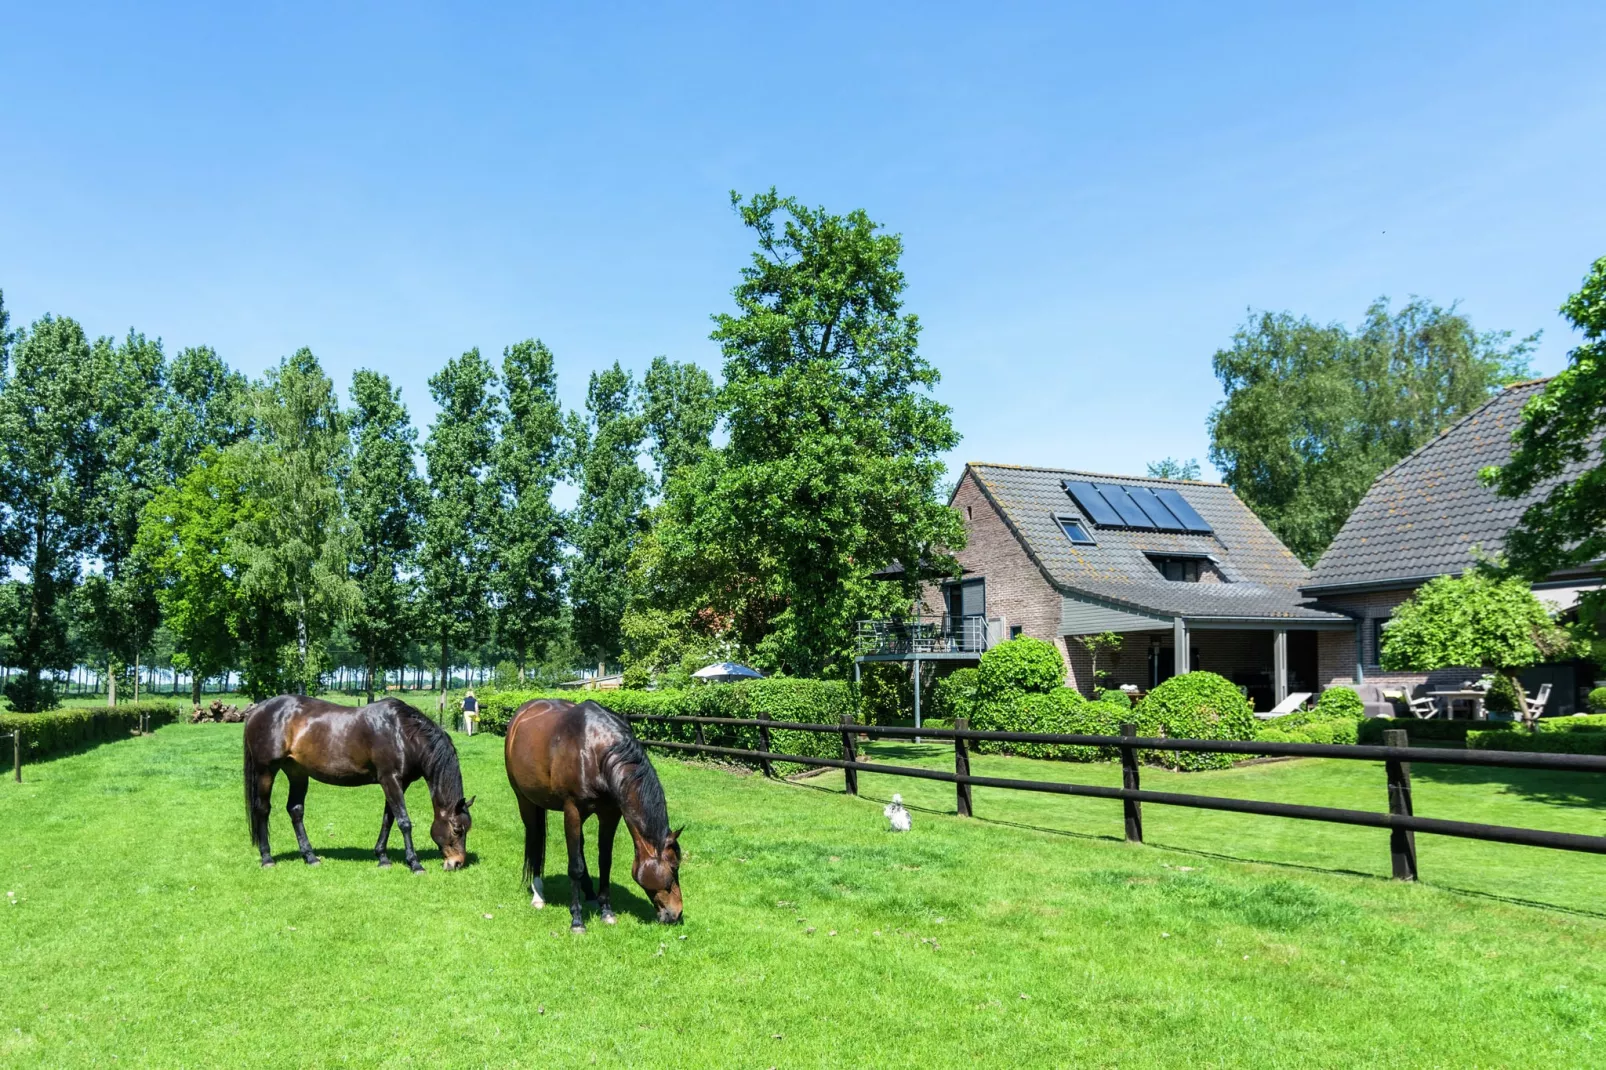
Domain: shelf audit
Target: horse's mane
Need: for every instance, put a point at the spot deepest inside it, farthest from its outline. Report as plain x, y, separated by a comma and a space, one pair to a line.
628, 768
435, 750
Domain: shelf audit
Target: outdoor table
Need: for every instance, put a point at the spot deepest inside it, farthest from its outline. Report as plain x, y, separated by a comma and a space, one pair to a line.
1475, 698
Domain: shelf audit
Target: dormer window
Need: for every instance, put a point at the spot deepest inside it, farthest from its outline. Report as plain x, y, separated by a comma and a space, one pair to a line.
1075, 530
1178, 569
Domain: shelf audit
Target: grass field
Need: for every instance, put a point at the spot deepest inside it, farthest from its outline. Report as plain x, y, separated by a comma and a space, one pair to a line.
144, 933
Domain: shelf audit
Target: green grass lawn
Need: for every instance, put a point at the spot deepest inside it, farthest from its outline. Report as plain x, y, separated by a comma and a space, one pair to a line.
144, 933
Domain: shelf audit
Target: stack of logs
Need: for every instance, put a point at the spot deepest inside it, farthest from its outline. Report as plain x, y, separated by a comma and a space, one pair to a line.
216, 712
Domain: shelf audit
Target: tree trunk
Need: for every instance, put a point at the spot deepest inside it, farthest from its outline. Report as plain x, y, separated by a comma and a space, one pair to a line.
136, 677
111, 684
195, 689
369, 680
446, 676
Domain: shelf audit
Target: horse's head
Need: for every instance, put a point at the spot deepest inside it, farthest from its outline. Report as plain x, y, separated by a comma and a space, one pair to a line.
657, 870
449, 830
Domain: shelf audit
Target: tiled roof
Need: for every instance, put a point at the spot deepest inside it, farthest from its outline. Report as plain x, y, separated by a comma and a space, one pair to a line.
1429, 515
1264, 575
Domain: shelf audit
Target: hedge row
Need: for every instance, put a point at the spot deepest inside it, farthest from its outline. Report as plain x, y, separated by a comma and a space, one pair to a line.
1419, 731
1595, 722
59, 730
1539, 742
805, 701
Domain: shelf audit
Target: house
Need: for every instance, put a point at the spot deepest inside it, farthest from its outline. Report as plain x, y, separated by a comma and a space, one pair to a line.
1182, 570
1427, 516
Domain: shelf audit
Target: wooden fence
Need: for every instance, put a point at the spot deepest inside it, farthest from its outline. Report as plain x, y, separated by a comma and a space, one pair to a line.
1396, 755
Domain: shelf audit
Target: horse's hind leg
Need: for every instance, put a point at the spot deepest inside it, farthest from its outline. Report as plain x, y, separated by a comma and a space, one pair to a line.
396, 803
534, 818
607, 825
382, 848
261, 806
574, 833
296, 806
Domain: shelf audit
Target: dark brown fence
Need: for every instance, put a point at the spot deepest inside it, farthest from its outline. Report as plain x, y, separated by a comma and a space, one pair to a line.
16, 753
1396, 756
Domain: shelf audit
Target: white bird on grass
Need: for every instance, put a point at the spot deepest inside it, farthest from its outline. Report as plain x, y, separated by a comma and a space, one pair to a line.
896, 814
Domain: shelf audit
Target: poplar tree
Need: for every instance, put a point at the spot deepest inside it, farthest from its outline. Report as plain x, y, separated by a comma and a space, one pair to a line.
681, 406
461, 512
384, 499
528, 528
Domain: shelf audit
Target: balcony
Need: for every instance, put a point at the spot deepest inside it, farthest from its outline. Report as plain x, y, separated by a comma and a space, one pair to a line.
908, 638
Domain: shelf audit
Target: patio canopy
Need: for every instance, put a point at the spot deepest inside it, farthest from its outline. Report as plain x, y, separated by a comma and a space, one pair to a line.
726, 672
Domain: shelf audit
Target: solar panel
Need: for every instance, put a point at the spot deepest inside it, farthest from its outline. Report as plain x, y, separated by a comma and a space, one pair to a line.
1131, 515
1163, 518
1184, 512
1093, 504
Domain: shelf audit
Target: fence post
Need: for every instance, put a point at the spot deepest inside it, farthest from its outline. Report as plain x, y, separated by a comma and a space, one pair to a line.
764, 737
16, 755
1402, 842
850, 753
962, 766
1132, 809
702, 740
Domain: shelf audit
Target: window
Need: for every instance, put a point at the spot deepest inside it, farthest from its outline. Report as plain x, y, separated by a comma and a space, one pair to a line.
1075, 531
970, 513
1014, 631
1378, 624
1179, 569
967, 598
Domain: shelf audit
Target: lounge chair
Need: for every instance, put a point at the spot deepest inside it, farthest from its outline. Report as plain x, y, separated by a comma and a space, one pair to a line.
1288, 705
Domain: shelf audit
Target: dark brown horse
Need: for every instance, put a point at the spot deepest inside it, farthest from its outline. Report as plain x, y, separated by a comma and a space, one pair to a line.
388, 743
582, 759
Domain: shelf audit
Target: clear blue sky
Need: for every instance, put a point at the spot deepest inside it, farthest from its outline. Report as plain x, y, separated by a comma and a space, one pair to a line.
1090, 197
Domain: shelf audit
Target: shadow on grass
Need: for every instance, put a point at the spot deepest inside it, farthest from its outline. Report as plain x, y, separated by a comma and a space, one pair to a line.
1538, 785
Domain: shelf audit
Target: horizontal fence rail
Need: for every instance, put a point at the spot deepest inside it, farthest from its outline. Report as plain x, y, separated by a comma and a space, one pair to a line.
1400, 819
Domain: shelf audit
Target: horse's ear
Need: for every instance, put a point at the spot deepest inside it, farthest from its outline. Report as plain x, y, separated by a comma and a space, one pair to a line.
674, 837
469, 801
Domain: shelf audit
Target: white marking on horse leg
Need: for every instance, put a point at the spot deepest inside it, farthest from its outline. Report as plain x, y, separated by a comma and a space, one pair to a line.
535, 894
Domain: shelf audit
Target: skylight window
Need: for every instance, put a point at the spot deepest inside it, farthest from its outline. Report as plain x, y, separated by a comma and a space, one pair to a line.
1075, 531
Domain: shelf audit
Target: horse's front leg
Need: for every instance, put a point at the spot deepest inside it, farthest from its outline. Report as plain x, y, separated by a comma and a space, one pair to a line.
574, 833
607, 825
296, 805
382, 848
396, 803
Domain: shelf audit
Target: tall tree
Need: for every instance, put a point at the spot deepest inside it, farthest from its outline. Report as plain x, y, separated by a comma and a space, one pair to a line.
295, 545
528, 529
207, 404
1314, 413
52, 471
1562, 438
1171, 468
118, 596
461, 513
833, 466
681, 406
384, 498
608, 522
186, 545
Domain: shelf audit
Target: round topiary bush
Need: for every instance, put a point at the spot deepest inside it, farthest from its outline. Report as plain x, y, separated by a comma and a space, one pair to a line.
955, 694
1597, 700
1198, 705
1340, 702
1503, 695
1022, 666
1114, 696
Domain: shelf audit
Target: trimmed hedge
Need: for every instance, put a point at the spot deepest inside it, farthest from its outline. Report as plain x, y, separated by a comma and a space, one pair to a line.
956, 694
780, 699
67, 728
1062, 711
1597, 700
1021, 666
1340, 702
1431, 731
1539, 742
1586, 723
1322, 730
1197, 705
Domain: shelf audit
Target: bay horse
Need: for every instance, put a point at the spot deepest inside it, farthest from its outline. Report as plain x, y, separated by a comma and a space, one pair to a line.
388, 743
583, 759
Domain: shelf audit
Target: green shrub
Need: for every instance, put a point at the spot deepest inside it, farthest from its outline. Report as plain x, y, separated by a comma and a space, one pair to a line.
1340, 702
1022, 666
1503, 696
1597, 700
1331, 730
1197, 705
1114, 696
955, 694
1062, 711
1437, 730
1584, 723
59, 730
1541, 742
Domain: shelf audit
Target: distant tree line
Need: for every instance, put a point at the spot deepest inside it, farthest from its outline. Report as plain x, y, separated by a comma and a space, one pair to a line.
270, 528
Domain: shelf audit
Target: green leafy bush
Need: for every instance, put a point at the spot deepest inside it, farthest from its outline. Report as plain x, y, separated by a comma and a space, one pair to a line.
1586, 723
956, 694
1541, 742
1437, 730
68, 728
1503, 696
1597, 700
1022, 666
1332, 730
1062, 711
1197, 705
1114, 696
1340, 702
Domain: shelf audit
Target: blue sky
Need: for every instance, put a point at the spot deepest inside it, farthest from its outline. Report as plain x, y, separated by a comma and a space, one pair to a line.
1090, 196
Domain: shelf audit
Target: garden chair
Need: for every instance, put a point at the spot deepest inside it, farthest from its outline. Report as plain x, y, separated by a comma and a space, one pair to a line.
1422, 707
1535, 707
1288, 705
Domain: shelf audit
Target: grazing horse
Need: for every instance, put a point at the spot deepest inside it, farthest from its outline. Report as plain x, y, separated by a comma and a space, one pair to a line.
387, 743
582, 759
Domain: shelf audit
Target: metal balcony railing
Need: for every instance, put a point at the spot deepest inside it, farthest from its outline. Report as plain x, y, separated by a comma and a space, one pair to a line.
931, 635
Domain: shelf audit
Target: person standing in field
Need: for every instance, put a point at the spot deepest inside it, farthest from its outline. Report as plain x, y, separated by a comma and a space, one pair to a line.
470, 711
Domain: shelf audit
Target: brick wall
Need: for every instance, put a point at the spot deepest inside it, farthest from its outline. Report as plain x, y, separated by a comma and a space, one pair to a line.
1016, 587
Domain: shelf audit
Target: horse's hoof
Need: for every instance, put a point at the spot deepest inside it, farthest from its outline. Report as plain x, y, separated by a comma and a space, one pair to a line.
417, 869
608, 918
314, 860
384, 863
577, 930
269, 864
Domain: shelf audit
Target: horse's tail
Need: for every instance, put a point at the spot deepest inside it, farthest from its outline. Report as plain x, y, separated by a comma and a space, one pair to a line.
253, 792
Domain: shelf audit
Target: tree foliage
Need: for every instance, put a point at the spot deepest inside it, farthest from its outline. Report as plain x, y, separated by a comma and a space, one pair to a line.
528, 529
1314, 413
680, 405
384, 498
1477, 620
1562, 438
1171, 468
